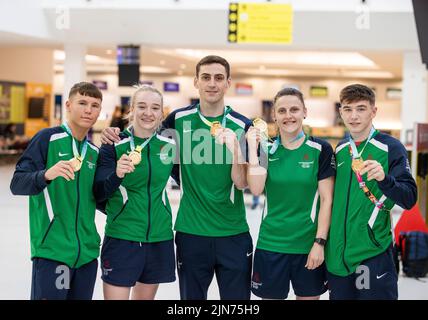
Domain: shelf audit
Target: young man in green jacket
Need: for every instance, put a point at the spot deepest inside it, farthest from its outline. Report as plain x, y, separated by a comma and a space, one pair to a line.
57, 172
373, 174
212, 234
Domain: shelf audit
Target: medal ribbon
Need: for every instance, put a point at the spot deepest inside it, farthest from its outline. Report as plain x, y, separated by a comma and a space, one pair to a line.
209, 123
132, 143
277, 142
75, 150
356, 155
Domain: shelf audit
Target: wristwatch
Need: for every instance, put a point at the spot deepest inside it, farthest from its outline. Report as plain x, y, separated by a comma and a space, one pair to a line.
320, 241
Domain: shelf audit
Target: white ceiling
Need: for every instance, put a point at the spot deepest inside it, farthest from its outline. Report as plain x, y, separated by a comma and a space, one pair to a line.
160, 27
264, 63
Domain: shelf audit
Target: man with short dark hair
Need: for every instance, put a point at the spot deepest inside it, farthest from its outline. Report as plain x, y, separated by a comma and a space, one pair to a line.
212, 234
373, 174
57, 172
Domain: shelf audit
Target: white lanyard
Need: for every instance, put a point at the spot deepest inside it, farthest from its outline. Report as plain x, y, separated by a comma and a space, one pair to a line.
209, 123
75, 149
355, 153
132, 143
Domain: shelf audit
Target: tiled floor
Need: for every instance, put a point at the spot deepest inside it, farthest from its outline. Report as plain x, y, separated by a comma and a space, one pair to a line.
15, 264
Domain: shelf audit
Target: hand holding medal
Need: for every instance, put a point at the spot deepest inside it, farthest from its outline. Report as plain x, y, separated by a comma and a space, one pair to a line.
124, 166
262, 135
373, 169
254, 137
60, 169
220, 132
135, 155
77, 160
262, 126
228, 137
76, 163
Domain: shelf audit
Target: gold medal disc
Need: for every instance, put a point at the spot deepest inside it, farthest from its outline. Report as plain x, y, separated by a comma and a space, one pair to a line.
357, 164
76, 163
214, 127
135, 157
261, 125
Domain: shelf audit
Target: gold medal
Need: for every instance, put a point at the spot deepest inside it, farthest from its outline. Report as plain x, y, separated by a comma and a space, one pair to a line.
135, 157
261, 125
76, 162
214, 127
357, 164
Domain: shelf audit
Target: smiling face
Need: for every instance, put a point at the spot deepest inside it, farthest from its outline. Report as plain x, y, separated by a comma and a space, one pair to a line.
147, 112
212, 83
83, 111
289, 113
358, 117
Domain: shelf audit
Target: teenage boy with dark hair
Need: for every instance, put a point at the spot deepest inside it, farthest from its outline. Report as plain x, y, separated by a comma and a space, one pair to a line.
373, 174
57, 172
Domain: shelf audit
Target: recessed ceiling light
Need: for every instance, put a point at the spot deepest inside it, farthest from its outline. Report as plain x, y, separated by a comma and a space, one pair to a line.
307, 58
318, 72
59, 55
92, 58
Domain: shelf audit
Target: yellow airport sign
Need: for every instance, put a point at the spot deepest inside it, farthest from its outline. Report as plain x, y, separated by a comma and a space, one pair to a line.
260, 23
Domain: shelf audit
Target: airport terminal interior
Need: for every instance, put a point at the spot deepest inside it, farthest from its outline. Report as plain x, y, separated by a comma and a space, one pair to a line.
318, 47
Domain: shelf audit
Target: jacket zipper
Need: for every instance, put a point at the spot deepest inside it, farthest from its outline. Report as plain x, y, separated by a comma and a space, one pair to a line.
148, 191
346, 220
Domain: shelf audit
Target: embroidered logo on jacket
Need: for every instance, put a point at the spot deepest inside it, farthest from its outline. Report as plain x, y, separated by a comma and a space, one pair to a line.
91, 165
